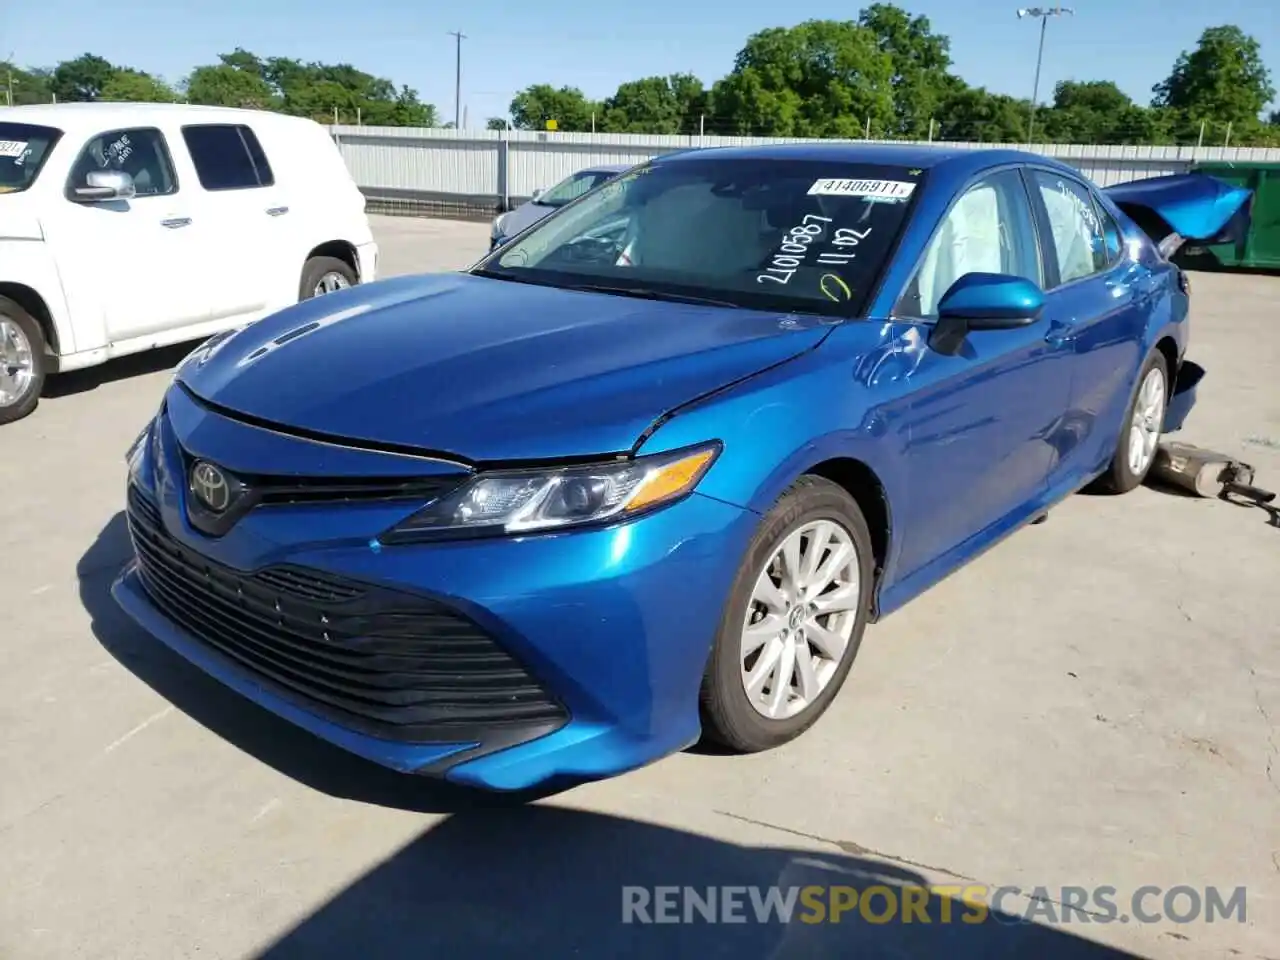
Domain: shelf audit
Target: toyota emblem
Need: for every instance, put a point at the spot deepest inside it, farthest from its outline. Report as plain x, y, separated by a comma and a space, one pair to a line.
210, 486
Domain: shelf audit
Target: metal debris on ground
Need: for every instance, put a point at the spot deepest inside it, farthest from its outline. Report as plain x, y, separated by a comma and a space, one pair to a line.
1207, 473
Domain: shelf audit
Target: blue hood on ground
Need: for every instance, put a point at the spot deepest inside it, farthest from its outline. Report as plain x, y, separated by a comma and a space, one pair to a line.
487, 370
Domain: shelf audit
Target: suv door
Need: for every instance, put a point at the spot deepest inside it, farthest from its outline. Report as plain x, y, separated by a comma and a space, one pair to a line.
978, 419
136, 259
248, 217
1097, 308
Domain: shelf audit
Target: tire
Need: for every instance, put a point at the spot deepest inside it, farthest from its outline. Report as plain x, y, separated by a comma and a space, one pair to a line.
22, 362
1122, 475
730, 718
318, 269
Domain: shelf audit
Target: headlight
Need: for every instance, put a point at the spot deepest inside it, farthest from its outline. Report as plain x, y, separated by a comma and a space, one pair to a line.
527, 501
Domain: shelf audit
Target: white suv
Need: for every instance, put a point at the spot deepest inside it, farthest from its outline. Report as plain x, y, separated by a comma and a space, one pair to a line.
128, 226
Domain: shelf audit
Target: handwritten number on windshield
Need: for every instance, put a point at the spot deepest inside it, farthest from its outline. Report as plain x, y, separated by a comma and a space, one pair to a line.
794, 248
845, 239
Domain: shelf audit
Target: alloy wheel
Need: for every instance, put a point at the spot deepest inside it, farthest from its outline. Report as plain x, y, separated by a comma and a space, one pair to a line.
1148, 418
17, 364
800, 619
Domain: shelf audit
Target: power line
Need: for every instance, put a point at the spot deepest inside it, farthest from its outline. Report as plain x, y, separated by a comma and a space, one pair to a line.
457, 85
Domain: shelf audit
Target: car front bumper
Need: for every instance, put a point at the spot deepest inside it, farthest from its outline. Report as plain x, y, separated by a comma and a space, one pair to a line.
604, 632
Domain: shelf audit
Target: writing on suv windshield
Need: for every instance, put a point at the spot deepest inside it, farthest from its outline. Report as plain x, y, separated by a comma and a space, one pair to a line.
23, 150
809, 236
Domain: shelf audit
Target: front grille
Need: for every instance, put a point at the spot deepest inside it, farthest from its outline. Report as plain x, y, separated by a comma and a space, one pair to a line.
388, 663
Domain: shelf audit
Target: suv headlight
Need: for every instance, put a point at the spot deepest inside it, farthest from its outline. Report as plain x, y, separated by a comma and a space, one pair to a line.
528, 501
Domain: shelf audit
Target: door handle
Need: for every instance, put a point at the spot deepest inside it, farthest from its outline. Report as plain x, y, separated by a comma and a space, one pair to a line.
1059, 334
276, 211
174, 222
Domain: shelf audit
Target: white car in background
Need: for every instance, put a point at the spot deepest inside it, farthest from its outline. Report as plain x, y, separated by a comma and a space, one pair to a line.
546, 202
128, 226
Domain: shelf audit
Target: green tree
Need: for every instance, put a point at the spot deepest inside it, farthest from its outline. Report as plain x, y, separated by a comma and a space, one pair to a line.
663, 105
921, 66
569, 107
138, 87
227, 86
24, 86
82, 78
822, 78
496, 123
975, 114
1097, 111
1224, 79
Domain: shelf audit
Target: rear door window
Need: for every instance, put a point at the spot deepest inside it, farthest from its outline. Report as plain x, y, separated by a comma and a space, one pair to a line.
227, 156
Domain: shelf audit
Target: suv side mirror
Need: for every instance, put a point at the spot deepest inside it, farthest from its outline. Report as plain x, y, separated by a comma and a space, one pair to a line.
984, 301
537, 194
102, 185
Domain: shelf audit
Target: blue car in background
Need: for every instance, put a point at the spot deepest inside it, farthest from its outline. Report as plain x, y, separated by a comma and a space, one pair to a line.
610, 491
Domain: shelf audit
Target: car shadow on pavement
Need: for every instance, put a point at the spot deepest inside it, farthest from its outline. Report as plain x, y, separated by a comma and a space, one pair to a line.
275, 742
133, 365
548, 881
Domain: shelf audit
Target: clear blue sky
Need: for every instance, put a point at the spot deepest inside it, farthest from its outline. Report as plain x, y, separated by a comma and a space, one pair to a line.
596, 45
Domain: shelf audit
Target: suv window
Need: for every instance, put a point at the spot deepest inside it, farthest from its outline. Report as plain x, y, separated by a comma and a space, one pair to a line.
140, 152
990, 229
23, 150
227, 156
1078, 239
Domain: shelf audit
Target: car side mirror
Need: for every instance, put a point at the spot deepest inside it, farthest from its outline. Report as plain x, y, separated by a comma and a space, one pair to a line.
537, 194
103, 185
984, 301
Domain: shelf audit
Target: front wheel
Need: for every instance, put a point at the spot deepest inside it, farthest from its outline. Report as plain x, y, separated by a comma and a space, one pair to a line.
22, 362
321, 275
794, 620
1140, 431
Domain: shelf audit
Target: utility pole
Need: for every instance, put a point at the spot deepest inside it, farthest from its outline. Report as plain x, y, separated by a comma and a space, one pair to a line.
457, 84
1043, 13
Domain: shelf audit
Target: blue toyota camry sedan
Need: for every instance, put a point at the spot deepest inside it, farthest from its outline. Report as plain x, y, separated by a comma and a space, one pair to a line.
644, 473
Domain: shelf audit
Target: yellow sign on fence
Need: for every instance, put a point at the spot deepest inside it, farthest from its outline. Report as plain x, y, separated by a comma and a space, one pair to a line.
552, 125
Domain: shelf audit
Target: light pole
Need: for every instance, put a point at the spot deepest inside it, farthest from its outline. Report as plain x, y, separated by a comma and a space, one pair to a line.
457, 83
1043, 13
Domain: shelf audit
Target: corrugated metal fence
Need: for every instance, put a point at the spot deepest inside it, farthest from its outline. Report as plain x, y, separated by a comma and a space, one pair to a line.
472, 173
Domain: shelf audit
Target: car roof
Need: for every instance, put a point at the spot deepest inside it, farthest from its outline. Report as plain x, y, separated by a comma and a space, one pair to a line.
100, 115
608, 168
954, 160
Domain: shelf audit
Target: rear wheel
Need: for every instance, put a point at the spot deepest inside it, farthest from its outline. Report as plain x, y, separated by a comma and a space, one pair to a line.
22, 362
1140, 431
321, 275
794, 620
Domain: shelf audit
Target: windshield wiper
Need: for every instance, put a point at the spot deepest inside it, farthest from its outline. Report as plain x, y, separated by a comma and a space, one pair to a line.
647, 293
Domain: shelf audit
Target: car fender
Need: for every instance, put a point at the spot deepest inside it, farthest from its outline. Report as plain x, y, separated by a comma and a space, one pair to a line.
29, 263
773, 432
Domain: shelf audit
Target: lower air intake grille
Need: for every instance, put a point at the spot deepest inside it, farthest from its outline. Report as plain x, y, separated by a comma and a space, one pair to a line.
387, 663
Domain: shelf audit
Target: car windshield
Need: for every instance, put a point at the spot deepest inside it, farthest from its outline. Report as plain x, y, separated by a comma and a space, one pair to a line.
23, 150
571, 189
806, 236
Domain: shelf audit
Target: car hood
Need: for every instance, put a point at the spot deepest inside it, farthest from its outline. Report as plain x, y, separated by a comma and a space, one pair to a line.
486, 370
